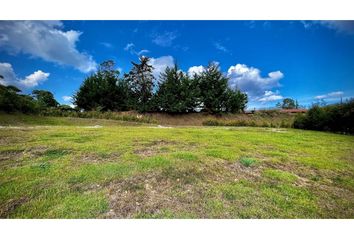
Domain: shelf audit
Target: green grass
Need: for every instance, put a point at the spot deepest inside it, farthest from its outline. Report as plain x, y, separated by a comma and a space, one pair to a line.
54, 167
247, 162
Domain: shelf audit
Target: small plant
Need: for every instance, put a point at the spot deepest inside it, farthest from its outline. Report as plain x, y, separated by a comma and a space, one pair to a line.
44, 166
247, 162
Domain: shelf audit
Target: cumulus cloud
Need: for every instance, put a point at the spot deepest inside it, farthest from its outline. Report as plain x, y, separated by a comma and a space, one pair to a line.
249, 79
130, 47
29, 81
195, 70
34, 79
46, 40
270, 96
160, 64
330, 95
67, 98
164, 39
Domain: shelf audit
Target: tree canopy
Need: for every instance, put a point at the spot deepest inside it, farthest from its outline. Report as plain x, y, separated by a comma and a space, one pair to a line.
288, 103
104, 90
177, 93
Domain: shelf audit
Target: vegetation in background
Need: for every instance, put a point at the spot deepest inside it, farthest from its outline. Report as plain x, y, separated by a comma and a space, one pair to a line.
334, 118
177, 92
104, 94
103, 90
288, 103
138, 90
11, 100
213, 89
141, 83
269, 118
45, 99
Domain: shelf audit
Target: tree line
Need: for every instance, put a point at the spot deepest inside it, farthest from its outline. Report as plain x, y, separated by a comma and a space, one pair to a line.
173, 92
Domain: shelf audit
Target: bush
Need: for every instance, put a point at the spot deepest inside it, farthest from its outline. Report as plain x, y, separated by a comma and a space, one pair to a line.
334, 118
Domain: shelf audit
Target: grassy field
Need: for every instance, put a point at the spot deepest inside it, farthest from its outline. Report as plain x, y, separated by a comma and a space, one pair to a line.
85, 168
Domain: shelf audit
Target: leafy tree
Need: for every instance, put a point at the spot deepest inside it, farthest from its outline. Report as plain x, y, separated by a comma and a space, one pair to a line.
236, 101
335, 118
12, 101
213, 89
103, 90
177, 92
45, 99
141, 83
287, 103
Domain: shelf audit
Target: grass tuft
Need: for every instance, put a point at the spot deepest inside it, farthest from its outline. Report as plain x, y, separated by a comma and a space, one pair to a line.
247, 162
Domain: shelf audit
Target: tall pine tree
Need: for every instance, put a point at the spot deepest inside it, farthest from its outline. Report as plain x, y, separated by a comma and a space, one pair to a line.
103, 90
176, 92
213, 89
141, 83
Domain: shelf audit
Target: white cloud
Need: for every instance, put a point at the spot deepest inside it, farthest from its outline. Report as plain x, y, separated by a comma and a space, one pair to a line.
29, 81
107, 44
270, 96
130, 47
141, 52
67, 98
165, 39
45, 40
195, 70
346, 27
34, 79
220, 47
160, 64
330, 95
340, 26
249, 79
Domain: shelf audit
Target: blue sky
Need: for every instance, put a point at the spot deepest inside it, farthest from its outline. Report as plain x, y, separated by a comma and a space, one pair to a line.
270, 60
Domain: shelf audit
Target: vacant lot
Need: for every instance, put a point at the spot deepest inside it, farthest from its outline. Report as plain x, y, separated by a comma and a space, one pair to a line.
84, 168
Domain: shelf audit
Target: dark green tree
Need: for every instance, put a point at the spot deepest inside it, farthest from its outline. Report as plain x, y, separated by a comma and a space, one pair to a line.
236, 101
177, 93
45, 99
141, 83
11, 100
213, 89
103, 90
287, 103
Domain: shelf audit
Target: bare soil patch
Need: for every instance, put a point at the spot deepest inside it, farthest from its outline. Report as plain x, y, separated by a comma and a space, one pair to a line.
153, 148
92, 157
7, 208
151, 195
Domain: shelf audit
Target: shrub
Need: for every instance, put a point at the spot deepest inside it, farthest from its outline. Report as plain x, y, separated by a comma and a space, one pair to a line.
334, 118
